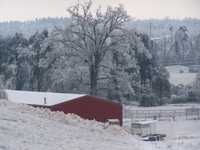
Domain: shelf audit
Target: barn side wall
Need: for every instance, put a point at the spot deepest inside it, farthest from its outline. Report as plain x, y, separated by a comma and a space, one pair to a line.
90, 107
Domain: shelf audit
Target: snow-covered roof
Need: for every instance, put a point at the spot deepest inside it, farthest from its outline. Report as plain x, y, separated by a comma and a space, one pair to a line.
40, 98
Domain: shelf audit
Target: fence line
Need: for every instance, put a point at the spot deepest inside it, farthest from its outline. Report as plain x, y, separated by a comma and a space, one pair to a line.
162, 115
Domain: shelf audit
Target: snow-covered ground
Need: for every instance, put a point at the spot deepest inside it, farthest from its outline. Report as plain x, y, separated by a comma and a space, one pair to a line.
26, 128
180, 75
181, 134
175, 130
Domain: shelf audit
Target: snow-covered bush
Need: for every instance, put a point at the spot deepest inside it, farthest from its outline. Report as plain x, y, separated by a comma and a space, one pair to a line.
149, 100
180, 99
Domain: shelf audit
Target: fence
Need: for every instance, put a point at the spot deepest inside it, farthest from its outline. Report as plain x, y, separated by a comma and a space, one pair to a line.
163, 115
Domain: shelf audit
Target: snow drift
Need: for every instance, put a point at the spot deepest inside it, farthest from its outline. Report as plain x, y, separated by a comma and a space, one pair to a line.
26, 128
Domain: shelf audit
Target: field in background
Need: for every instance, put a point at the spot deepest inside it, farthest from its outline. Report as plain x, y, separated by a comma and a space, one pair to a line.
179, 74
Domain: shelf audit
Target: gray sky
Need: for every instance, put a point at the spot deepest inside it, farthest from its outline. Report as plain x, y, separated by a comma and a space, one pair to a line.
141, 9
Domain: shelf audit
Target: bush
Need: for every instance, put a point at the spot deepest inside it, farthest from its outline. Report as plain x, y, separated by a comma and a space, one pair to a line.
193, 97
180, 99
150, 100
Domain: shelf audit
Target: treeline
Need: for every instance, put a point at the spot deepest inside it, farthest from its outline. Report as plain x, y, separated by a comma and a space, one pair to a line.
28, 28
95, 54
158, 27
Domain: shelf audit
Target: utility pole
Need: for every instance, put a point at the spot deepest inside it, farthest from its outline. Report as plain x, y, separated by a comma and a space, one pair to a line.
150, 28
150, 37
171, 29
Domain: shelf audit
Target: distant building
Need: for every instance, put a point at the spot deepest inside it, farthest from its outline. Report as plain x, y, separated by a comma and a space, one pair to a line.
88, 107
143, 128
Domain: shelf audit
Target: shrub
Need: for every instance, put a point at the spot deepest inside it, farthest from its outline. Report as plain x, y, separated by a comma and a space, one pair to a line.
179, 99
150, 100
193, 97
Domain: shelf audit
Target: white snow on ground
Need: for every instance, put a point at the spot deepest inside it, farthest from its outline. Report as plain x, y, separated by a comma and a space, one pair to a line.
185, 129
37, 98
180, 75
182, 78
26, 128
181, 134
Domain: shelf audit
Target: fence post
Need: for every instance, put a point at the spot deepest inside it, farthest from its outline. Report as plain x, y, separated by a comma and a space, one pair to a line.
186, 114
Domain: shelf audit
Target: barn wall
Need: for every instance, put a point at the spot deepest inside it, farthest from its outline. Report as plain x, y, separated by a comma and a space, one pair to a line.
90, 107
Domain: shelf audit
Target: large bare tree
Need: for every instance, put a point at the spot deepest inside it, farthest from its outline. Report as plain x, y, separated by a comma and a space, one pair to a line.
92, 34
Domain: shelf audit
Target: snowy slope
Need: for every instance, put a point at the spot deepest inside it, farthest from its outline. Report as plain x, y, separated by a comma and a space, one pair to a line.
180, 75
26, 128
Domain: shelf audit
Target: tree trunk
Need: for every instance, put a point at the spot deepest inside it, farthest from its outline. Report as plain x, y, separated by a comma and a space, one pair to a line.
38, 71
39, 79
93, 79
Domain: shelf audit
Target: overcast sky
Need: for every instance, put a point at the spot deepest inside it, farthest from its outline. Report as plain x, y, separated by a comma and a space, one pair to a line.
141, 9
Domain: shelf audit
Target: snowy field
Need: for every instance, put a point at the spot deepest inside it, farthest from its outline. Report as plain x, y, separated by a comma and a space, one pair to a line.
26, 128
181, 134
180, 75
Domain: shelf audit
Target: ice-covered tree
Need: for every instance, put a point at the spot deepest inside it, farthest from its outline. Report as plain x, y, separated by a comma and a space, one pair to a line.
182, 44
89, 35
120, 69
43, 57
160, 83
12, 51
196, 48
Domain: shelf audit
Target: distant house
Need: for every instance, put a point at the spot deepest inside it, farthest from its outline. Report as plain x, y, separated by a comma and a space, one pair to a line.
88, 107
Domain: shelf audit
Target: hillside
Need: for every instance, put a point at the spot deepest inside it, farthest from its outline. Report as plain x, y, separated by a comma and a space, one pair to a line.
23, 127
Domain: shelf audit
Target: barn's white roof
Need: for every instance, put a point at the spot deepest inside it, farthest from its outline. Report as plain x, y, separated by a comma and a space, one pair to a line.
39, 98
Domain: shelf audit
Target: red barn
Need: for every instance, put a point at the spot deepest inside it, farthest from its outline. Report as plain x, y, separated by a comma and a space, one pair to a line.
88, 107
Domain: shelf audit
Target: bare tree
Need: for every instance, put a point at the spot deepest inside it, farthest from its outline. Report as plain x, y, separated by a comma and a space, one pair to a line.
92, 34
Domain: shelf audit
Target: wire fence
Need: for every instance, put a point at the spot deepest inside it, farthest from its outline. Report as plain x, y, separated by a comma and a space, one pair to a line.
164, 115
